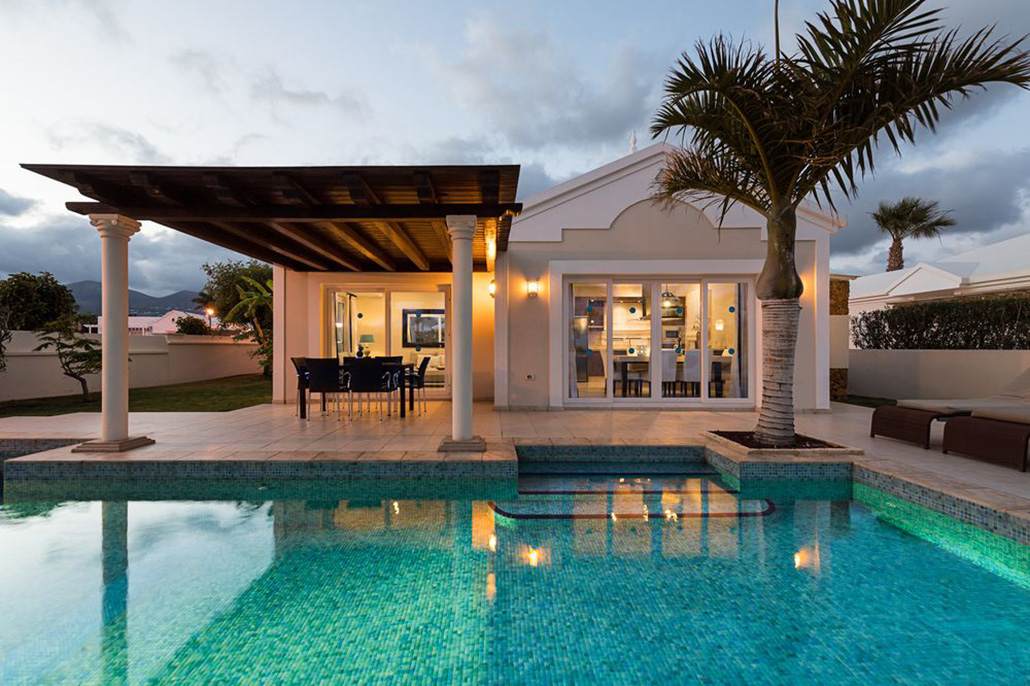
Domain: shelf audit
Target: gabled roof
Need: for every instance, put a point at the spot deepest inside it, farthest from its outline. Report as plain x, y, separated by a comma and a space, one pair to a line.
1005, 263
592, 200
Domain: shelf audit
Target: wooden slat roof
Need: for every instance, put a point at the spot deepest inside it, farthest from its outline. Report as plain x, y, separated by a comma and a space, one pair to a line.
371, 218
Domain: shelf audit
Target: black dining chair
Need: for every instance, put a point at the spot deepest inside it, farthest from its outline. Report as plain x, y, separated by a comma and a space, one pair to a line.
301, 365
366, 376
417, 379
392, 380
324, 377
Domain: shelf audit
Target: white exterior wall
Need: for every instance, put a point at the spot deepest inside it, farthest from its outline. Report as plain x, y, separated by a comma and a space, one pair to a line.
301, 316
920, 374
155, 361
603, 224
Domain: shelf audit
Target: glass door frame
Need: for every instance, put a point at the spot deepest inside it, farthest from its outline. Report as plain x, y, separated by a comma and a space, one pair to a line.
327, 349
654, 282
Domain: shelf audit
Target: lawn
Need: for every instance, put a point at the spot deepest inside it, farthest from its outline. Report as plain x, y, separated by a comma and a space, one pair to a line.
216, 395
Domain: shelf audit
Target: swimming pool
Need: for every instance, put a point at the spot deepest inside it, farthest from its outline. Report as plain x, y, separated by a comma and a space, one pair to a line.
619, 576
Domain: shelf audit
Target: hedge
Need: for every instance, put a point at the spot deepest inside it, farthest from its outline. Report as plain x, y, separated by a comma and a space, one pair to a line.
987, 324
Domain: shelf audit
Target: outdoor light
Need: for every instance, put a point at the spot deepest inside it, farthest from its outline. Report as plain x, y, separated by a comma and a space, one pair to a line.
493, 288
532, 288
210, 311
493, 543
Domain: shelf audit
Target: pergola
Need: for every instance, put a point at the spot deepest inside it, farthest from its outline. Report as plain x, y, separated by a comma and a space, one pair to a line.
306, 219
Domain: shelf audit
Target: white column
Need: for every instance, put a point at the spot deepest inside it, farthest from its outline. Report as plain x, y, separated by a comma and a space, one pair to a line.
115, 232
461, 228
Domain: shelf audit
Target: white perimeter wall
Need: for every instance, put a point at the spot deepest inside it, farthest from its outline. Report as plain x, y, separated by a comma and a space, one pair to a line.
156, 361
913, 374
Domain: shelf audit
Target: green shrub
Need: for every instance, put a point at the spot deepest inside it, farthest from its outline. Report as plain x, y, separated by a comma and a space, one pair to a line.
192, 326
987, 324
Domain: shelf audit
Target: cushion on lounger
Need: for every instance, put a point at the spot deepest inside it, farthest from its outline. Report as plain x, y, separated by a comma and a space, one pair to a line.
1017, 415
1015, 396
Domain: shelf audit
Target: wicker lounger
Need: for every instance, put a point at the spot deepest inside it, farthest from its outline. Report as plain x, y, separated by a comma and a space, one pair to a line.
906, 423
989, 440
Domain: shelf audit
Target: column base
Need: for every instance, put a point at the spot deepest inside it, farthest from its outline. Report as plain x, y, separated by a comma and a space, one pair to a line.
124, 445
476, 444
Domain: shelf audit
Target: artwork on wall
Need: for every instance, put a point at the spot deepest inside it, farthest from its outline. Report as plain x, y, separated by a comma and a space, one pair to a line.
423, 328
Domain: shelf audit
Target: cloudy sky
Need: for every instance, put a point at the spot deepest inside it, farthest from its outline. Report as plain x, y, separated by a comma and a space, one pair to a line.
555, 87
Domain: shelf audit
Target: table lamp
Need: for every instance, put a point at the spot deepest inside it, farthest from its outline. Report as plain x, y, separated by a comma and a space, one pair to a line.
366, 339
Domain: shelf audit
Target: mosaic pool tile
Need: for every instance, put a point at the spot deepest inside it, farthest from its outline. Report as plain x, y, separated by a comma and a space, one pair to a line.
418, 581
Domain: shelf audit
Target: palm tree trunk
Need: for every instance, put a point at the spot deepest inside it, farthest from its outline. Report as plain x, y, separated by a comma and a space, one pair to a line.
779, 288
896, 256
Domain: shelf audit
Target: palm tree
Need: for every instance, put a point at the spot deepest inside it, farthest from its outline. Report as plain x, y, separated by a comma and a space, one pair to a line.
909, 218
252, 304
773, 133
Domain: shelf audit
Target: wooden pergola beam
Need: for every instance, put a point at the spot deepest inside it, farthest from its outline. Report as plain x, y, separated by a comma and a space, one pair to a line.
294, 192
281, 246
156, 188
361, 194
223, 192
320, 247
360, 243
440, 229
241, 245
287, 213
424, 187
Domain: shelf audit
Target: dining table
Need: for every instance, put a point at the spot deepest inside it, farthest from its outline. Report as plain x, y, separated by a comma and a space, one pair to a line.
404, 368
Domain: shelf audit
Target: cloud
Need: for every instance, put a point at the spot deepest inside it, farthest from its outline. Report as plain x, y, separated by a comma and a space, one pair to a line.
984, 191
161, 261
267, 86
210, 68
12, 205
528, 89
533, 177
105, 14
129, 144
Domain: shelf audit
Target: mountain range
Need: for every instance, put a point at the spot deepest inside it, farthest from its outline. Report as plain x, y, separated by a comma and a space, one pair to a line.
87, 296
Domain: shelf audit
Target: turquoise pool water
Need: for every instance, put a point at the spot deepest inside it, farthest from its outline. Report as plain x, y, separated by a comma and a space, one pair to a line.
390, 582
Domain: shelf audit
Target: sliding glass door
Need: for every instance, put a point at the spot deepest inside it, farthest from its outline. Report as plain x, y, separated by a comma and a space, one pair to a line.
683, 341
412, 325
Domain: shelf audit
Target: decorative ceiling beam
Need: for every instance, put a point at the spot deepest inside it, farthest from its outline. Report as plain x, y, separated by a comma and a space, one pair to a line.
440, 229
490, 186
363, 245
277, 243
223, 192
400, 238
287, 213
234, 242
315, 245
361, 194
91, 188
293, 191
156, 189
424, 188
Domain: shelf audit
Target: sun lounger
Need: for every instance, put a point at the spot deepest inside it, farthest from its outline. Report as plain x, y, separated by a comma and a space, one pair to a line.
1014, 396
997, 436
911, 419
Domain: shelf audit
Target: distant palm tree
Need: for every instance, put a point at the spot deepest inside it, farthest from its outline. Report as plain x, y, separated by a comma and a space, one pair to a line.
773, 133
253, 302
909, 218
203, 300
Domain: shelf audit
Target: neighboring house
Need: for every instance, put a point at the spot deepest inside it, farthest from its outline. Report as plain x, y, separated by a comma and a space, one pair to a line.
156, 326
587, 295
995, 269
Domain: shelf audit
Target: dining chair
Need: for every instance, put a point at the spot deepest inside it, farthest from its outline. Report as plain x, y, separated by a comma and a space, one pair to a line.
417, 380
301, 365
324, 377
366, 376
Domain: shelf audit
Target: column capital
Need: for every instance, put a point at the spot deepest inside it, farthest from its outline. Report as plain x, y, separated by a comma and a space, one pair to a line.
461, 226
114, 225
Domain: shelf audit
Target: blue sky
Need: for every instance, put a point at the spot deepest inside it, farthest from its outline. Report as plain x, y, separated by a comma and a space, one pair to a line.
555, 87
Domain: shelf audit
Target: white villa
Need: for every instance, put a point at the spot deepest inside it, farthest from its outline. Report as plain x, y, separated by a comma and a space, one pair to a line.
995, 269
588, 294
153, 326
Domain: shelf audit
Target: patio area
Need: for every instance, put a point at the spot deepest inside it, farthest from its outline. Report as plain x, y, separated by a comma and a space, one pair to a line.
273, 435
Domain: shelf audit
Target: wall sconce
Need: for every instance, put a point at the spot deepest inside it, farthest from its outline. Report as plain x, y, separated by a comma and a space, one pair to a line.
493, 288
719, 325
532, 288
